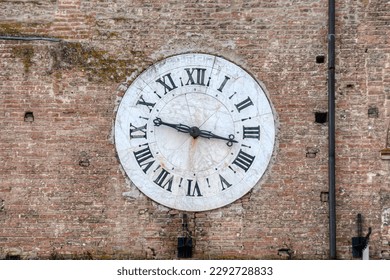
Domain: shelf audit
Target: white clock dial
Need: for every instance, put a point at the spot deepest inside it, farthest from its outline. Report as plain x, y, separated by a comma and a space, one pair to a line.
195, 132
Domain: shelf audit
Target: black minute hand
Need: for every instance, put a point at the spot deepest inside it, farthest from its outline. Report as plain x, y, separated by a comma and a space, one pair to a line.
179, 127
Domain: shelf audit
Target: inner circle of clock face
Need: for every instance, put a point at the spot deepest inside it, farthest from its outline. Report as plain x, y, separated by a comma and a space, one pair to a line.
194, 132
183, 151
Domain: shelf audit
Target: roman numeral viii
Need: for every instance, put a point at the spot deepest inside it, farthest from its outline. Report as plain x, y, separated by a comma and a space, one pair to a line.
144, 158
243, 160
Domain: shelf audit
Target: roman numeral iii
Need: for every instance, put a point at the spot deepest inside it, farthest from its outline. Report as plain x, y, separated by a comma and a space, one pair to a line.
251, 132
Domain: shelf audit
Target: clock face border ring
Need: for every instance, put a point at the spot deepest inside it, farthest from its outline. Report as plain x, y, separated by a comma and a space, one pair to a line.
254, 129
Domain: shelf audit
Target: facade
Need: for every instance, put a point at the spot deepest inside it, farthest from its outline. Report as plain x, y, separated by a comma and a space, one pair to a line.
66, 65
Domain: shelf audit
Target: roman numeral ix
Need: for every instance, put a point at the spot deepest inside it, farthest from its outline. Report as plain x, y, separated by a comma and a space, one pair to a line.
137, 132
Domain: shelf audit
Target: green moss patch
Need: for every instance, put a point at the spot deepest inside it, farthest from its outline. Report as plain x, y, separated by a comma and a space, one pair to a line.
10, 28
99, 65
25, 53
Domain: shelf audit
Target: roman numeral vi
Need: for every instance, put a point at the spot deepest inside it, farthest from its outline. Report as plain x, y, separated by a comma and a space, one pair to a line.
191, 191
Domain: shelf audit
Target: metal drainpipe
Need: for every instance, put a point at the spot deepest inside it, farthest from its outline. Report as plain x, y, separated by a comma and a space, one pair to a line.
331, 129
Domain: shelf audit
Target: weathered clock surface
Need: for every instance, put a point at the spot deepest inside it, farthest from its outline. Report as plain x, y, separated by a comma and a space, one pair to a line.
195, 132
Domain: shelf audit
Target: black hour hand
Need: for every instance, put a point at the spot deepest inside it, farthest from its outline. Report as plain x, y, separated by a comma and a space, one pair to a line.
210, 135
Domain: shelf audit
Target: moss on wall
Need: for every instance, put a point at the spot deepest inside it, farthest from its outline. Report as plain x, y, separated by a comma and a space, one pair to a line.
13, 28
99, 65
25, 53
24, 29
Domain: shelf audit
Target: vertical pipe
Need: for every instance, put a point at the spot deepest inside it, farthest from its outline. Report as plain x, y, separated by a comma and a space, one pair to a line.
331, 129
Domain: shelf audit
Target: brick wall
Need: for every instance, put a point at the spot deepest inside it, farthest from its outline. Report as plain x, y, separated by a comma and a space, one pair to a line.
63, 193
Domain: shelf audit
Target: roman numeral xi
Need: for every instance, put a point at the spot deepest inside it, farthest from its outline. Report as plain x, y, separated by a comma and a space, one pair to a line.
167, 82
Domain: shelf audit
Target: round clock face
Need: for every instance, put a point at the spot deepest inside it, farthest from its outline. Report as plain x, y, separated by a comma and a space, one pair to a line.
194, 132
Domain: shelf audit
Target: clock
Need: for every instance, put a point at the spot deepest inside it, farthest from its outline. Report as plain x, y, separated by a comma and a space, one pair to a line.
194, 132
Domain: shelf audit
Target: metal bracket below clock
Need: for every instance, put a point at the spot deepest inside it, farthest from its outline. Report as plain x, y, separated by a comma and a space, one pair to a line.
184, 243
